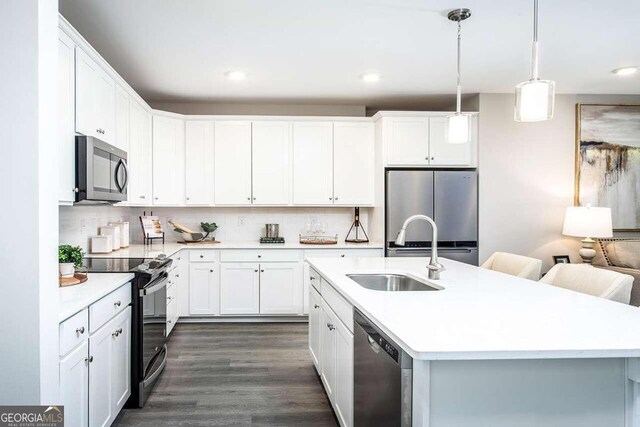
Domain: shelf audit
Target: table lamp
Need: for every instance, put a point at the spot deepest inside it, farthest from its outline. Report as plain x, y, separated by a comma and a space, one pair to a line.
588, 222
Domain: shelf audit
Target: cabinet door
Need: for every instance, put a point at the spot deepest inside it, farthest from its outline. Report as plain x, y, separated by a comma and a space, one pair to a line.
239, 288
406, 140
281, 288
86, 76
232, 163
139, 155
353, 163
199, 163
442, 153
203, 288
328, 353
105, 106
344, 375
315, 314
168, 161
172, 315
66, 130
121, 360
101, 393
271, 166
122, 126
313, 163
74, 386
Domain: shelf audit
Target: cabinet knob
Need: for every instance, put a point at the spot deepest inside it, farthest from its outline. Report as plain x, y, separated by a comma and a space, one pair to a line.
188, 198
201, 256
155, 198
249, 198
259, 256
142, 197
254, 198
261, 271
178, 275
117, 304
255, 271
433, 158
330, 198
316, 306
211, 271
342, 256
335, 198
168, 321
312, 278
76, 190
330, 326
88, 359
80, 330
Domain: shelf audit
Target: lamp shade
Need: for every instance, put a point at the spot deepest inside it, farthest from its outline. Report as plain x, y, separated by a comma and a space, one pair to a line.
534, 101
458, 129
586, 221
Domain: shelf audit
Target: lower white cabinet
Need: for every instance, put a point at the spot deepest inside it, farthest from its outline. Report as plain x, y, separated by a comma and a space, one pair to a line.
74, 386
239, 288
328, 351
315, 311
204, 288
343, 392
281, 288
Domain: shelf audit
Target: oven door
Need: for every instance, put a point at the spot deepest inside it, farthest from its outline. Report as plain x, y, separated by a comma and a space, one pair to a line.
154, 325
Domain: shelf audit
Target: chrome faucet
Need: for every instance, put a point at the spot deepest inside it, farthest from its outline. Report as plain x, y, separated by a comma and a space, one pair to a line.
434, 266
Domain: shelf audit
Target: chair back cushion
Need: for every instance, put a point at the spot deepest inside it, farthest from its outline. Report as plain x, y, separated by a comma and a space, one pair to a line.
589, 280
624, 253
515, 265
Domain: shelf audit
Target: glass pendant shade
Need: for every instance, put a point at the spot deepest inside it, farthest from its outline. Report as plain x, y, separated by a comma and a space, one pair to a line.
458, 129
535, 100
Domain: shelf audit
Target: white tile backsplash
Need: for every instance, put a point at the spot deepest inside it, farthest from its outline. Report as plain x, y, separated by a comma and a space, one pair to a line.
77, 223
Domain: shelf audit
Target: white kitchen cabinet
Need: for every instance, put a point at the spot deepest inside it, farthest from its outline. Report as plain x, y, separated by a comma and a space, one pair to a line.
444, 154
74, 385
406, 141
239, 288
139, 155
121, 360
122, 126
66, 126
313, 163
95, 99
204, 289
271, 165
199, 163
168, 161
328, 344
232, 163
343, 395
281, 288
353, 163
315, 331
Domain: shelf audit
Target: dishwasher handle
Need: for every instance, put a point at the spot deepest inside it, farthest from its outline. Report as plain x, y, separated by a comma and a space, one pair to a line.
377, 341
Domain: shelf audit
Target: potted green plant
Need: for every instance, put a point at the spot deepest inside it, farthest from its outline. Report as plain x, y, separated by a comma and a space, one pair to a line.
209, 228
69, 257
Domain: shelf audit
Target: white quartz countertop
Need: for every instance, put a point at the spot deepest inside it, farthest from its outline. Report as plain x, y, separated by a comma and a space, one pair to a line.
482, 314
76, 298
146, 251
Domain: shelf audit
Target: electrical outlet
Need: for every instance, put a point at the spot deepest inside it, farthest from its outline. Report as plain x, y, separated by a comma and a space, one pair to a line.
242, 220
83, 226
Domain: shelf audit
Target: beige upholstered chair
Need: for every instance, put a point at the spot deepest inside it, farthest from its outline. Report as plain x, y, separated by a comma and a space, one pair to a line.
590, 280
515, 265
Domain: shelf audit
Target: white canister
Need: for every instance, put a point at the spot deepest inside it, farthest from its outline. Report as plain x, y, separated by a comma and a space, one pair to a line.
114, 232
124, 233
101, 244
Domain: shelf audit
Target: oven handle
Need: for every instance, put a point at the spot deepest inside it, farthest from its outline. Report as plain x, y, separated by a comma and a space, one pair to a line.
162, 282
158, 371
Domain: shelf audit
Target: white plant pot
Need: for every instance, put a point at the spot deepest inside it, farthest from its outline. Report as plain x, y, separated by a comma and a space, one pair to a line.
66, 269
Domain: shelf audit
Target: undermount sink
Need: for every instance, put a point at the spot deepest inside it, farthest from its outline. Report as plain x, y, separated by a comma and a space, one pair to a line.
391, 282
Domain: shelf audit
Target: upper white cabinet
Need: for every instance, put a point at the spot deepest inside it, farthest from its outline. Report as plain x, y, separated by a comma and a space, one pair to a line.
232, 163
139, 155
353, 163
66, 130
421, 140
313, 163
122, 127
271, 163
199, 163
168, 161
95, 99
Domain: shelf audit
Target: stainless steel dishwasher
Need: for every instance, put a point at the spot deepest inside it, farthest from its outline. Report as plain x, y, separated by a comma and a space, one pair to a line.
383, 378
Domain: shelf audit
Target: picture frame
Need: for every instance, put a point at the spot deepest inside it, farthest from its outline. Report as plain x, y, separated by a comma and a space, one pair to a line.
561, 259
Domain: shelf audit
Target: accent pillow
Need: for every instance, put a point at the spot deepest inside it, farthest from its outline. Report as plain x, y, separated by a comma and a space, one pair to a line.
624, 253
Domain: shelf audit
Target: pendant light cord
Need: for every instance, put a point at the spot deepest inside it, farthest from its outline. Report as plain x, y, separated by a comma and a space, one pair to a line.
534, 53
459, 88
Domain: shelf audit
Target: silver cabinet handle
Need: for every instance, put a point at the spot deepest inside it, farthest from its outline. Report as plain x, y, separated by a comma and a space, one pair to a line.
316, 306
335, 198
76, 190
143, 197
80, 330
201, 256
249, 198
168, 321
117, 303
330, 198
117, 332
312, 278
261, 271
211, 271
330, 326
88, 359
155, 198
342, 256
433, 158
255, 271
259, 256
254, 198
178, 274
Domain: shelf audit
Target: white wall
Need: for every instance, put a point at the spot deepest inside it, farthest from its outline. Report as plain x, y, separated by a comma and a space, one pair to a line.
77, 223
527, 177
28, 256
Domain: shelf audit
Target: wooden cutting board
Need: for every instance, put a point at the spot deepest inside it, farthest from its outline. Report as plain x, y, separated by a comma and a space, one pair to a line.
75, 280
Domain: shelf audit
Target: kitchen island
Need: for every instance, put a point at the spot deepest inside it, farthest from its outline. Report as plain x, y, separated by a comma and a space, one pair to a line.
489, 347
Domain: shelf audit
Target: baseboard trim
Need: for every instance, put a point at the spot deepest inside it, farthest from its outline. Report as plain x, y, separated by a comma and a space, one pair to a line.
245, 319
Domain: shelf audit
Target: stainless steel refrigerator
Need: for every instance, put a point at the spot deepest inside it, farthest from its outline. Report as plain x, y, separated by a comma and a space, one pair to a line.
450, 197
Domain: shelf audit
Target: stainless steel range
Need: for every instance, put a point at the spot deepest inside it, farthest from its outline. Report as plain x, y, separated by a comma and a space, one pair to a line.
149, 318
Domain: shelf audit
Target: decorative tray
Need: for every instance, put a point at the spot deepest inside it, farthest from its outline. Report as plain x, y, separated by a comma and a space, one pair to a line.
199, 242
319, 240
78, 277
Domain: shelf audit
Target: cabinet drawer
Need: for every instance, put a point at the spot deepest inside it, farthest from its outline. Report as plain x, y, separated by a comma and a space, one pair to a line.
338, 304
342, 253
73, 331
269, 255
314, 278
203, 256
110, 305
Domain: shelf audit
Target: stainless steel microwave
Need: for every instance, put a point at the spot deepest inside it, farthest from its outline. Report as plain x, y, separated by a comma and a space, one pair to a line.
101, 171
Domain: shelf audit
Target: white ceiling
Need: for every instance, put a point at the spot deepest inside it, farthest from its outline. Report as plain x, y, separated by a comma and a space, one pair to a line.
315, 51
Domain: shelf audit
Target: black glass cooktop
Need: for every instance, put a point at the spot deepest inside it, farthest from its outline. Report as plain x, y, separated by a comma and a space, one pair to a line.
113, 265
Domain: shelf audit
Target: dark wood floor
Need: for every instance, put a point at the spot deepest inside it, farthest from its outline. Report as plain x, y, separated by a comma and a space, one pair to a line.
236, 374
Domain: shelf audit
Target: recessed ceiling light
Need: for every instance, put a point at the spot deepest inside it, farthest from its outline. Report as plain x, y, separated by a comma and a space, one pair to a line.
625, 71
236, 75
370, 77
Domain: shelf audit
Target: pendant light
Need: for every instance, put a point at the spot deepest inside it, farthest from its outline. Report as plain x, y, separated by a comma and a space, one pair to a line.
535, 97
458, 123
